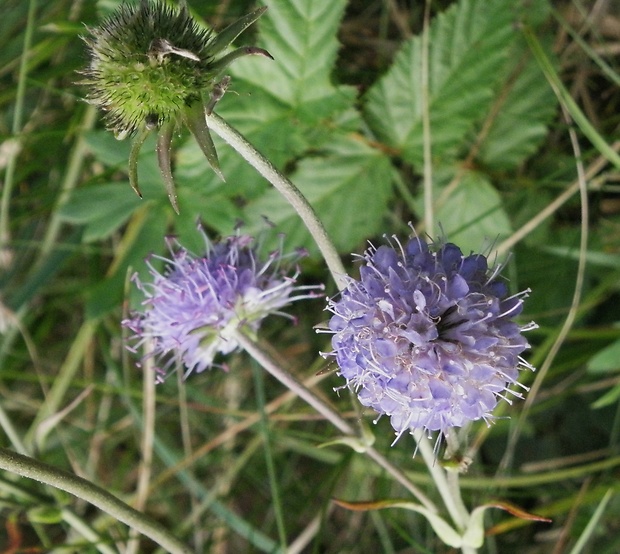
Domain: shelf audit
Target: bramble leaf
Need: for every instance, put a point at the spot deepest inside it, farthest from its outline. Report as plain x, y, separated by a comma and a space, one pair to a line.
285, 107
469, 44
525, 106
473, 214
302, 38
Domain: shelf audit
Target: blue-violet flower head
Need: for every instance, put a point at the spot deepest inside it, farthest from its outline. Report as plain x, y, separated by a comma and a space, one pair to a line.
427, 335
194, 310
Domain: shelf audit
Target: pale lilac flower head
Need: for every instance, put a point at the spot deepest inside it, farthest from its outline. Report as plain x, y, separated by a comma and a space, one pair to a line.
195, 308
427, 335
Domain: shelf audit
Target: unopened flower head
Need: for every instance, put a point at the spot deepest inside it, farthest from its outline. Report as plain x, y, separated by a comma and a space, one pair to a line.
427, 335
195, 309
153, 66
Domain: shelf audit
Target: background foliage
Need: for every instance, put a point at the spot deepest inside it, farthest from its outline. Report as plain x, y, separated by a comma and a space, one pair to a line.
340, 111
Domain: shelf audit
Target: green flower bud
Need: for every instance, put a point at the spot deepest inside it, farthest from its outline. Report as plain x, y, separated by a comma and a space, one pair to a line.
153, 67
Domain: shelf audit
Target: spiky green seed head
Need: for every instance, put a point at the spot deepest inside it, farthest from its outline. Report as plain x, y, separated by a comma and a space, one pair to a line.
152, 67
148, 62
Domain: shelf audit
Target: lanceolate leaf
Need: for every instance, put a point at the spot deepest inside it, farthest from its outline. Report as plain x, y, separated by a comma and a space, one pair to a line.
468, 46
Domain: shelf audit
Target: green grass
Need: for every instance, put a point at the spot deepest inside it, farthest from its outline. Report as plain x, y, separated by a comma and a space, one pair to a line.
232, 461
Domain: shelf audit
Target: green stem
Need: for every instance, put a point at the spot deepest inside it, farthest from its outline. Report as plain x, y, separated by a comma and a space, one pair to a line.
450, 494
429, 222
276, 498
288, 190
291, 382
85, 490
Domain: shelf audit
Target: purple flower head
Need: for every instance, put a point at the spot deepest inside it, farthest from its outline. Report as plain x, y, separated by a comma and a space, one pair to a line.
427, 336
195, 308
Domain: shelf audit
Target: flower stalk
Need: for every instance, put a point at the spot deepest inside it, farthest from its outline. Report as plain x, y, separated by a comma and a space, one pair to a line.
288, 190
451, 496
260, 355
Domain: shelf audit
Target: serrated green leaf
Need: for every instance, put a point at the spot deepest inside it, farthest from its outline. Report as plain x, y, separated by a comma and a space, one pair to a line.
349, 188
108, 150
214, 210
301, 35
526, 106
89, 203
281, 106
468, 46
473, 215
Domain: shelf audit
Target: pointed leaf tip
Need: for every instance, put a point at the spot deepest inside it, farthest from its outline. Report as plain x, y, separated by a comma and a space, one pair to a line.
164, 141
226, 60
136, 145
253, 50
230, 33
195, 119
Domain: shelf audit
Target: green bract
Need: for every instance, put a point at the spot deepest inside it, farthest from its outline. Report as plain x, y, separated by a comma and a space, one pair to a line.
152, 67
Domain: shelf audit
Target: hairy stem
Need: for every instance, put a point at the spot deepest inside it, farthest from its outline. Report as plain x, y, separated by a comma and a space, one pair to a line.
447, 485
294, 385
288, 190
102, 499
